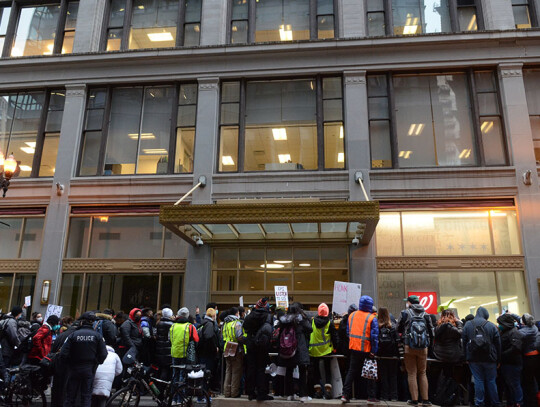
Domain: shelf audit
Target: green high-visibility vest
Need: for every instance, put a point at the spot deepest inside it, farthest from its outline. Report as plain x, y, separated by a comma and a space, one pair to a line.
320, 343
179, 334
229, 333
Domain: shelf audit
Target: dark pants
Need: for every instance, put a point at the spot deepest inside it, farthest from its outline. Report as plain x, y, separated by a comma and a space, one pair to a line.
59, 386
531, 379
321, 371
485, 376
211, 363
355, 370
256, 382
80, 379
388, 370
302, 380
99, 401
511, 375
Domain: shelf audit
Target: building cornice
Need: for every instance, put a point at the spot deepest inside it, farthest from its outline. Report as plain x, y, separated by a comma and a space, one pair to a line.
104, 265
446, 263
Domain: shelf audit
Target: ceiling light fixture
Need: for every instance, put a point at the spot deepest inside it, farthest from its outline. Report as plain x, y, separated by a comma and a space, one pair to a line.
405, 154
279, 134
160, 37
144, 136
285, 32
486, 126
341, 157
416, 129
411, 25
304, 265
283, 261
284, 158
227, 160
273, 266
155, 151
466, 153
472, 24
341, 132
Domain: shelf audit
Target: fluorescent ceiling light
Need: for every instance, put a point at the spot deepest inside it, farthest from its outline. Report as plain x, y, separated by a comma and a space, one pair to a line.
341, 132
227, 160
28, 150
50, 49
140, 7
273, 266
463, 299
341, 157
279, 134
416, 129
160, 37
486, 126
25, 168
144, 136
284, 158
30, 144
285, 32
496, 302
466, 153
405, 154
472, 24
304, 264
16, 52
155, 151
411, 25
283, 261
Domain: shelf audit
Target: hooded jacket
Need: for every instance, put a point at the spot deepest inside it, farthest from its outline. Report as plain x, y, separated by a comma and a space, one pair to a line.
105, 374
131, 332
41, 342
106, 326
417, 310
530, 333
303, 329
447, 346
208, 338
163, 344
492, 334
511, 341
366, 305
10, 339
258, 327
320, 322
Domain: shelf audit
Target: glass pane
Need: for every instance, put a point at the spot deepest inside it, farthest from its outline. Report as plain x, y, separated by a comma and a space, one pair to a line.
114, 39
277, 228
389, 235
94, 119
305, 257
434, 121
193, 11
325, 7
252, 258
381, 150
10, 234
391, 291
57, 100
375, 5
71, 16
33, 232
407, 19
278, 277
116, 14
485, 81
306, 279
446, 233
172, 288
333, 109
522, 18
54, 120
187, 115
506, 236
334, 150
4, 19
48, 155
185, 142
225, 280
492, 140
230, 113
230, 92
79, 229
120, 237
328, 278
155, 130
188, 94
301, 228
378, 107
281, 130
123, 131
532, 84
67, 44
512, 291
239, 32
279, 266
376, 24
70, 294
175, 247
537, 151
228, 149
334, 257
240, 10
282, 20
467, 19
6, 281
24, 286
377, 85
192, 35
90, 153
252, 280
488, 104
225, 258
332, 88
97, 98
436, 16
325, 26
153, 24
36, 30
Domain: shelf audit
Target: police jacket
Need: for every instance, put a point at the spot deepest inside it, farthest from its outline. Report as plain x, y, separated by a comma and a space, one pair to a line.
84, 347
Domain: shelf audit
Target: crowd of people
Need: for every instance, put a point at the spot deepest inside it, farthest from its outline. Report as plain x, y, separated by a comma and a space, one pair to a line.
248, 349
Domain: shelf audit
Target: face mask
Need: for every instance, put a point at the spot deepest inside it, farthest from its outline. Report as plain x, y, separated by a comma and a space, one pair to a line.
40, 320
55, 327
137, 318
407, 305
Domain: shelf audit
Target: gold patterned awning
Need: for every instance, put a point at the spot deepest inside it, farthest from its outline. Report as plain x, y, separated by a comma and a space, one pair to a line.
339, 221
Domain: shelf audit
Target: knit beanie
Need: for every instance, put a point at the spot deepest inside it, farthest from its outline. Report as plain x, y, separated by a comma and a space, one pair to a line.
323, 310
262, 303
183, 312
167, 313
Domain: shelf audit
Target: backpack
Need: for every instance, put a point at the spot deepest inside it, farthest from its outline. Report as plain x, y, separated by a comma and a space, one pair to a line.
26, 342
417, 333
480, 342
387, 345
274, 342
98, 326
288, 342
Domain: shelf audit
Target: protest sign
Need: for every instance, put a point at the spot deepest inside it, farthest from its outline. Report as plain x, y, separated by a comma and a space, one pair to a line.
53, 310
282, 296
345, 294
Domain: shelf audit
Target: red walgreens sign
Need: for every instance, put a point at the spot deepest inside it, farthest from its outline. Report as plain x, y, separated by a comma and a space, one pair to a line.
427, 299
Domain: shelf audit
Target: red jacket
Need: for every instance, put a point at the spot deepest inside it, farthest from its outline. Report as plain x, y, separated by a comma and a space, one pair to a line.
41, 342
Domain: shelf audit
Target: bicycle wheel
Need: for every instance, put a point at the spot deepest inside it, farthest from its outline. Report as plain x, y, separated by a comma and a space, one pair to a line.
199, 398
16, 399
125, 397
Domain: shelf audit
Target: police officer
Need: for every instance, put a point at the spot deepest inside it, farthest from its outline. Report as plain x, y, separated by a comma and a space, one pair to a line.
83, 351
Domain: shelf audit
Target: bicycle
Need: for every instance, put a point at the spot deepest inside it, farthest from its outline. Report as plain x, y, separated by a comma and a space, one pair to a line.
191, 392
26, 388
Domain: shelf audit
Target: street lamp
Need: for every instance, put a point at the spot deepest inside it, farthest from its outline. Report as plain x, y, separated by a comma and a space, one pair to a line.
8, 168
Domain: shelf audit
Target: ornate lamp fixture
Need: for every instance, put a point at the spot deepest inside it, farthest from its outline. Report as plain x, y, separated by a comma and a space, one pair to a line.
9, 168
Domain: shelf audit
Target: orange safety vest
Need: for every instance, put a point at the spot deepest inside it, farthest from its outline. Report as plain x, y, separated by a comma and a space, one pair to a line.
360, 331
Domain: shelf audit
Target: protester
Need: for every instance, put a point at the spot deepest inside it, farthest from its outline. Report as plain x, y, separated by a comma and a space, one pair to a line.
323, 342
531, 360
42, 340
83, 351
233, 332
182, 332
363, 332
511, 359
131, 334
106, 327
104, 378
163, 358
61, 366
416, 329
483, 352
36, 319
10, 339
209, 343
388, 352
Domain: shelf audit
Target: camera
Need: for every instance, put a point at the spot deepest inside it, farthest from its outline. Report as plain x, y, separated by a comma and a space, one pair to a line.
355, 241
198, 241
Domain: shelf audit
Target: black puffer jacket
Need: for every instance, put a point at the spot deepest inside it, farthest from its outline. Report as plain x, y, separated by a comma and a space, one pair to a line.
529, 338
447, 343
107, 328
208, 339
163, 344
492, 334
303, 329
258, 327
511, 341
130, 335
320, 322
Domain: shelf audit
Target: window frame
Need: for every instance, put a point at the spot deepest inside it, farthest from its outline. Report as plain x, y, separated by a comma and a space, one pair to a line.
320, 121
128, 16
454, 18
533, 13
105, 128
251, 22
22, 230
476, 117
17, 6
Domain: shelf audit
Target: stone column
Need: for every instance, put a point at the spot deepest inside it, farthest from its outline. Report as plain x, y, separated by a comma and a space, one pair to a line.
522, 156
363, 265
56, 221
214, 22
352, 18
197, 276
498, 14
89, 24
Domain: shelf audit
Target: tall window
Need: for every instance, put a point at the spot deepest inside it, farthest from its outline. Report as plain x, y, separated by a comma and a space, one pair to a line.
40, 29
30, 128
21, 237
451, 119
281, 20
282, 125
524, 14
532, 90
139, 130
411, 17
143, 24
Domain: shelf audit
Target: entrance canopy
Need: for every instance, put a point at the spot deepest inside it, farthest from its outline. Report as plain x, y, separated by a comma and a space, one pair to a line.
339, 221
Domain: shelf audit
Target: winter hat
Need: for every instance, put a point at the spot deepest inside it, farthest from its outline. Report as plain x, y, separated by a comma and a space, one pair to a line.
262, 303
183, 312
16, 310
323, 310
352, 308
53, 320
88, 316
527, 319
167, 313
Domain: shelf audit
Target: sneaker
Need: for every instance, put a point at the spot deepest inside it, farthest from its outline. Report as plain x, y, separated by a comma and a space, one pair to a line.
426, 403
345, 399
412, 402
305, 399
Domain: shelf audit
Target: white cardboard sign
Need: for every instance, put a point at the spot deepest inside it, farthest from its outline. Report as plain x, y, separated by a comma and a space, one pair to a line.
282, 296
28, 300
345, 294
53, 310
